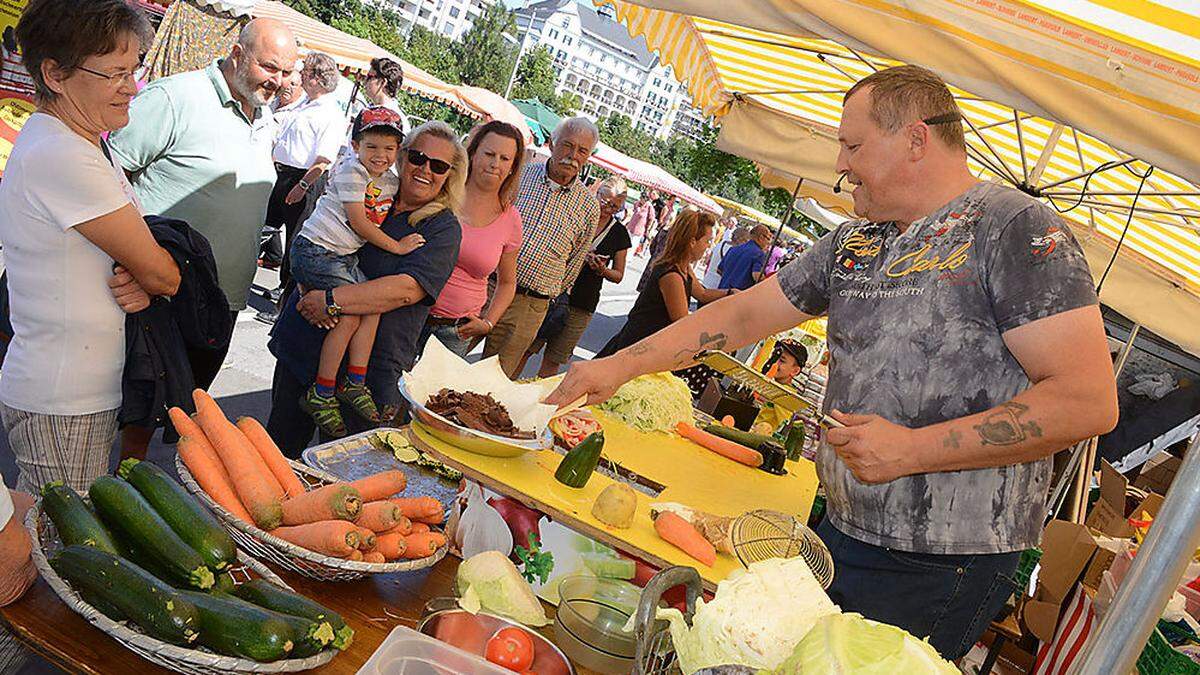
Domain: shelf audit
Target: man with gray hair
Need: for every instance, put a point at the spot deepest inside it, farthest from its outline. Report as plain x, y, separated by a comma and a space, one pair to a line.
198, 148
307, 144
558, 217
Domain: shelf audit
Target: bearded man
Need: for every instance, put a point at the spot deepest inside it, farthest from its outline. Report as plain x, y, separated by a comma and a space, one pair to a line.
198, 148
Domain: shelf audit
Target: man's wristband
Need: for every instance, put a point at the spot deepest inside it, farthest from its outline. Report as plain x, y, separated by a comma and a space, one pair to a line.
303, 185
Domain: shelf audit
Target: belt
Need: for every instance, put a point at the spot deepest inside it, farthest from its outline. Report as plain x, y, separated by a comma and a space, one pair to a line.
444, 321
284, 168
521, 290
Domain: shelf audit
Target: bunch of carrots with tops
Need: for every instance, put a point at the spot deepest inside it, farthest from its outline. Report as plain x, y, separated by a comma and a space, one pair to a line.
242, 469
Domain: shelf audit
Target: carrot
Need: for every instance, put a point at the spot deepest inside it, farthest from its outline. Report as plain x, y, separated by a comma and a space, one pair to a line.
206, 468
183, 424
329, 537
721, 446
423, 545
366, 539
392, 546
355, 555
379, 516
417, 528
272, 457
435, 519
728, 421
257, 489
417, 507
381, 485
374, 557
336, 501
680, 533
404, 526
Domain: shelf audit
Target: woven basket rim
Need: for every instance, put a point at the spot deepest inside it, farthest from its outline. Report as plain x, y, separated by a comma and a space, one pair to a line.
166, 653
300, 552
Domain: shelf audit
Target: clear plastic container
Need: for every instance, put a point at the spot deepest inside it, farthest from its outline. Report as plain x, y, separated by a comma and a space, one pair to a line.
589, 624
407, 652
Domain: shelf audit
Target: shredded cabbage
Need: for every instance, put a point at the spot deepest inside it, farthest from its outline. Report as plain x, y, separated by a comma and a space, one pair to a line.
654, 402
853, 645
755, 619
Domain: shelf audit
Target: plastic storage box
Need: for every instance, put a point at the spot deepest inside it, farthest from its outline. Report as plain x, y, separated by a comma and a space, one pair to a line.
407, 652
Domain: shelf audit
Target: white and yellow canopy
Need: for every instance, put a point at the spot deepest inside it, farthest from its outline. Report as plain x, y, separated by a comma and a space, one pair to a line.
1093, 105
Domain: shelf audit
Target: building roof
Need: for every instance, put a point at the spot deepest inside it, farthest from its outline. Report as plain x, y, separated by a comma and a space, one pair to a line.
601, 28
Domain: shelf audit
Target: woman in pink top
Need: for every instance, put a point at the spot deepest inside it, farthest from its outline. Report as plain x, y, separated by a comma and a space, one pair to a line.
642, 212
491, 237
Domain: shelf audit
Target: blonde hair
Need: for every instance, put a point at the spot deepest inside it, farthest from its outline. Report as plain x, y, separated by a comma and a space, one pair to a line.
615, 184
904, 94
451, 195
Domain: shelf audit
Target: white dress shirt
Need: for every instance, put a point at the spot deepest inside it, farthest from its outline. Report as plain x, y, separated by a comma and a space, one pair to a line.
314, 129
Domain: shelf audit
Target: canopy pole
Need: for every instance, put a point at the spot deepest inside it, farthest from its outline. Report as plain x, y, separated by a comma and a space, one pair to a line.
787, 220
1151, 581
1044, 159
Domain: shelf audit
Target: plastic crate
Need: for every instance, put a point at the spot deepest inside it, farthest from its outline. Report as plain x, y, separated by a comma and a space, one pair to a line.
1158, 657
817, 513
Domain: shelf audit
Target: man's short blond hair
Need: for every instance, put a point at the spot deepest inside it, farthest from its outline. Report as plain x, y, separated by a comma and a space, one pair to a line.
905, 94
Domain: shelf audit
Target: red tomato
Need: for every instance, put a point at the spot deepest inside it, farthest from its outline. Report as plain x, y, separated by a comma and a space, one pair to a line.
510, 647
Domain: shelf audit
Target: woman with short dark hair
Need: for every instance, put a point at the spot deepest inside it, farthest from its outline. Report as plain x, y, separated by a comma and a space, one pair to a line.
77, 251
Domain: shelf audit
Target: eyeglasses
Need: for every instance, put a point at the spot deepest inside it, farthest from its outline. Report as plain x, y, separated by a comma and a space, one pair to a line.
114, 79
437, 166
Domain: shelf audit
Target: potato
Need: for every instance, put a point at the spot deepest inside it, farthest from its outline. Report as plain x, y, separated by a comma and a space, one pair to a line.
615, 506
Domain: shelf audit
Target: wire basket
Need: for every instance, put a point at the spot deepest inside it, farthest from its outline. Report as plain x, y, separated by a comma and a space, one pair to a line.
289, 556
655, 653
761, 535
198, 661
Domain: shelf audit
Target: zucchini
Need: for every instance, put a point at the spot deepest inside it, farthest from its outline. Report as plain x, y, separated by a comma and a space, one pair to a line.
74, 519
576, 468
234, 627
191, 521
738, 436
132, 518
223, 584
266, 594
132, 593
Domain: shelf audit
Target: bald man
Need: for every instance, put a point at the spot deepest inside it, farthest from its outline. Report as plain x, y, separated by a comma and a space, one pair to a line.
198, 148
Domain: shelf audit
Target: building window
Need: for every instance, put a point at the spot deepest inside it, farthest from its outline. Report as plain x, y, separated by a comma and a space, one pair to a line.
567, 40
448, 28
553, 34
454, 12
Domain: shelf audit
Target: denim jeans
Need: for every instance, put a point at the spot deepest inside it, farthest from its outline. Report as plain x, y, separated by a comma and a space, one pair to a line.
950, 599
448, 336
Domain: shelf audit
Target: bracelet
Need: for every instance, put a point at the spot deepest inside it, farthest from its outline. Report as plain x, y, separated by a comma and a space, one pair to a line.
489, 323
304, 185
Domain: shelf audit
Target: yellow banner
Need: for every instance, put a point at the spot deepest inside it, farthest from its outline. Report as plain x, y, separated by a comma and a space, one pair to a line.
16, 87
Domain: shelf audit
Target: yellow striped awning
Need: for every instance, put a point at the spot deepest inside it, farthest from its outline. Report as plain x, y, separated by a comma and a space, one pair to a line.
1093, 105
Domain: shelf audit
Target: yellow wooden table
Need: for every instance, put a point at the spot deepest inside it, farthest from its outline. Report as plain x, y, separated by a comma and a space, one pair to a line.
693, 476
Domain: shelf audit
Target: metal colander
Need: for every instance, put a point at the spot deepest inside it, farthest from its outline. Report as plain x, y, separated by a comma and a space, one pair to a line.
761, 535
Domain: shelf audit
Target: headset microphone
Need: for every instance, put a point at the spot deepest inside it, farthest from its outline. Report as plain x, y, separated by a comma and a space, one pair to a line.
837, 187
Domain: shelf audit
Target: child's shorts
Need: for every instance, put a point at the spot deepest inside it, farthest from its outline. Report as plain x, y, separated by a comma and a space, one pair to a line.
314, 266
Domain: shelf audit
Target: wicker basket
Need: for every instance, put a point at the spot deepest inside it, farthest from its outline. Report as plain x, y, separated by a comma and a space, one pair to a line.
198, 661
287, 555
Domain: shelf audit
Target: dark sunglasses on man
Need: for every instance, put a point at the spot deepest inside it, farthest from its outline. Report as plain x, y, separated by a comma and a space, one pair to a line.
418, 158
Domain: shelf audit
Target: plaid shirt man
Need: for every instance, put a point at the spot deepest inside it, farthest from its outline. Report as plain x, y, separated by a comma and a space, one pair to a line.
558, 223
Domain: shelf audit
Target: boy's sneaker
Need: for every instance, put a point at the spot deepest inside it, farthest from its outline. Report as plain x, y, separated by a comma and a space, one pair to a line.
358, 397
325, 411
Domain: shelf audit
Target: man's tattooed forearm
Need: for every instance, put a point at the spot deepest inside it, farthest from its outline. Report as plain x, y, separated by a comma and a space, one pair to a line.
952, 439
1005, 426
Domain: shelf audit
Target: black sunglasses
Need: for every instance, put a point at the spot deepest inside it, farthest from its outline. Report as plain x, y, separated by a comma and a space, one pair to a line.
418, 158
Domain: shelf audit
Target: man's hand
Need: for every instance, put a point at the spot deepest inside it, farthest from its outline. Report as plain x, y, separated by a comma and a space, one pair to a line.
409, 244
313, 308
598, 379
127, 291
17, 572
874, 449
295, 194
474, 328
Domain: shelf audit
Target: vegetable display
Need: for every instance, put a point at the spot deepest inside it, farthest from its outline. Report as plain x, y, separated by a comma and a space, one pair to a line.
722, 446
74, 520
242, 469
849, 643
265, 594
491, 582
232, 626
680, 533
191, 521
655, 402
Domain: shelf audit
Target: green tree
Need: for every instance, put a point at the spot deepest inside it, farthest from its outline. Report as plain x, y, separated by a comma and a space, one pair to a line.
432, 52
618, 131
378, 24
485, 59
536, 79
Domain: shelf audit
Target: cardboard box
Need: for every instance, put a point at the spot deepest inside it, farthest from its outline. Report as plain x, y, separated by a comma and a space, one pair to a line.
1158, 474
1068, 548
1108, 513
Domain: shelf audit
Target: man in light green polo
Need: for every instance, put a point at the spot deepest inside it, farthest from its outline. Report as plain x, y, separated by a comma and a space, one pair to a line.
198, 148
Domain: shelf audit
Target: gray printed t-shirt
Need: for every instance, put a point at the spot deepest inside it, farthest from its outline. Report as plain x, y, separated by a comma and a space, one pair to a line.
914, 334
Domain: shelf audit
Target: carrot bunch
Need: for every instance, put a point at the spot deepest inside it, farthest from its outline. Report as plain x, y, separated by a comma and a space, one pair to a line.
242, 469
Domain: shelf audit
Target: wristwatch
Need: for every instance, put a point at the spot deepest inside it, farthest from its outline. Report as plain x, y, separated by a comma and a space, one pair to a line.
331, 307
304, 185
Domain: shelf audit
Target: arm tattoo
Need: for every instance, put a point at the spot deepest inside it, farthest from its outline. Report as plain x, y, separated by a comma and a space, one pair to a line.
1005, 426
707, 341
952, 439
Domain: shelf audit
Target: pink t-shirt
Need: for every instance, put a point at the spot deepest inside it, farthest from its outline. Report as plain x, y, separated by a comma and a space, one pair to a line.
478, 256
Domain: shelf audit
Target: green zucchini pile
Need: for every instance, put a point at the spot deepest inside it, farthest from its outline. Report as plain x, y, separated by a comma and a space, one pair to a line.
145, 551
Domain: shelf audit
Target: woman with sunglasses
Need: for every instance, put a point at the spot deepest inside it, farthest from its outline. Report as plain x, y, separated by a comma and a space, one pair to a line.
491, 237
400, 288
79, 255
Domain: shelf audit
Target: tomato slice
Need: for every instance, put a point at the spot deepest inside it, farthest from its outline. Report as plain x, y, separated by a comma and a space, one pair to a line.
511, 648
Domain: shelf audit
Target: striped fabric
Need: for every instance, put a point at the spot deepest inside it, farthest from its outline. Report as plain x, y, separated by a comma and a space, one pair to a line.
797, 81
1075, 624
557, 223
72, 448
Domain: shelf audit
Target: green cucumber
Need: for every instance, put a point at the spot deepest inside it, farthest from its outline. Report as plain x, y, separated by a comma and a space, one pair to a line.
191, 521
133, 519
576, 468
234, 627
266, 594
223, 583
74, 520
130, 592
738, 436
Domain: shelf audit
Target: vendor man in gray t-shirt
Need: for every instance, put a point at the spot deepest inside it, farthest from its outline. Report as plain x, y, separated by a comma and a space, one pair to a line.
966, 348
